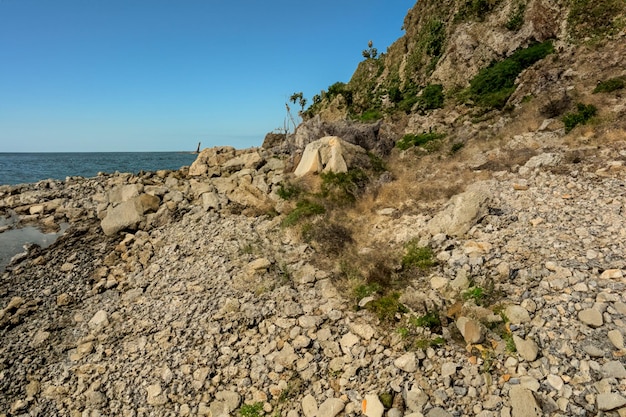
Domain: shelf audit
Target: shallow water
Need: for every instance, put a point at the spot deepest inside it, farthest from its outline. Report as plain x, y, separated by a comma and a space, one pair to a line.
12, 241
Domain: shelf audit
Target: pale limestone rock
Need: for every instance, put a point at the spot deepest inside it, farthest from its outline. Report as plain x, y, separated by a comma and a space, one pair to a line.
517, 314
99, 320
470, 330
461, 212
372, 407
617, 339
527, 349
363, 330
211, 158
610, 401
309, 406
331, 407
329, 153
129, 213
406, 362
612, 274
591, 317
123, 193
523, 403
614, 369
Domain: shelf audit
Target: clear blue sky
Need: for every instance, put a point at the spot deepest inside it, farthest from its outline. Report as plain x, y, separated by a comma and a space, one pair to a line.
161, 75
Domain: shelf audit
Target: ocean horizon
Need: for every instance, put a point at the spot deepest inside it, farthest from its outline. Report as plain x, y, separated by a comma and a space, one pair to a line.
30, 167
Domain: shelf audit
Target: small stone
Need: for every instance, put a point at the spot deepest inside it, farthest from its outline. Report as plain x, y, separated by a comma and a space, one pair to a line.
591, 317
99, 320
436, 282
612, 274
416, 400
348, 340
331, 407
470, 329
527, 349
555, 381
372, 407
448, 369
593, 351
64, 299
154, 396
259, 265
309, 406
610, 401
364, 331
617, 339
438, 412
523, 402
406, 362
517, 314
613, 369
67, 267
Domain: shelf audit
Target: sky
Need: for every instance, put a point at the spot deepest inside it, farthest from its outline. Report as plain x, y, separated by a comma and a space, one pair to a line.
163, 75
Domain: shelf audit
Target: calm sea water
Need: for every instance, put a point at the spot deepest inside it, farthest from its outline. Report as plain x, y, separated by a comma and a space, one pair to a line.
19, 168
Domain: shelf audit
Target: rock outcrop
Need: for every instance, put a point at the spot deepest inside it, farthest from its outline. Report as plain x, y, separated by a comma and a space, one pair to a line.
330, 153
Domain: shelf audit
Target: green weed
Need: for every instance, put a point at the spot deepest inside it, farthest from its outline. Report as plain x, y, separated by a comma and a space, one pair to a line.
581, 117
431, 98
416, 256
493, 85
343, 186
251, 410
516, 19
610, 85
429, 320
386, 307
288, 191
304, 208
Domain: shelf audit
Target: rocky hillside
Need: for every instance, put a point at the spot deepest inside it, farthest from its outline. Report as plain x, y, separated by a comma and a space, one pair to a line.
465, 259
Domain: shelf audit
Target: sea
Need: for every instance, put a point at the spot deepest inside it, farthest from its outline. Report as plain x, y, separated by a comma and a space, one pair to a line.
21, 168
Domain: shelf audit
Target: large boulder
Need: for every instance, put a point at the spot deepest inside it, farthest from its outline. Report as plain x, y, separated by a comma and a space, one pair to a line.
461, 212
369, 136
330, 153
128, 214
211, 158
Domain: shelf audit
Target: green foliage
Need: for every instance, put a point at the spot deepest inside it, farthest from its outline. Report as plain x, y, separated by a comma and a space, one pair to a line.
429, 320
416, 256
386, 307
510, 343
516, 19
370, 115
436, 37
386, 399
431, 98
426, 343
340, 88
288, 191
409, 140
475, 293
594, 18
251, 410
493, 85
581, 117
377, 163
608, 86
304, 208
456, 146
343, 186
365, 290
475, 9
370, 52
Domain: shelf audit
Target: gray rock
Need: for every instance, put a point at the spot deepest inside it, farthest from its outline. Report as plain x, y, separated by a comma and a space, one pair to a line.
527, 349
406, 362
461, 212
416, 400
438, 412
523, 402
610, 401
617, 339
309, 406
517, 314
331, 407
591, 317
613, 369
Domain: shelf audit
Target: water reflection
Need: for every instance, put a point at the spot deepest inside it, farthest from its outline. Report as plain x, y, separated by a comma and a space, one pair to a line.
12, 241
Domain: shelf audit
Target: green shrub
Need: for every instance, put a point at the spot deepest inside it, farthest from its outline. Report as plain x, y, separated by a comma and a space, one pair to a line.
456, 146
370, 115
610, 85
516, 19
416, 256
387, 307
431, 98
304, 208
476, 293
429, 320
288, 191
409, 140
426, 343
343, 186
493, 85
377, 163
251, 410
365, 290
594, 18
581, 117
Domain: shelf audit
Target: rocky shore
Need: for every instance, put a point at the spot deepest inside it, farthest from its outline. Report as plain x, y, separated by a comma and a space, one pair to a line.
179, 293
